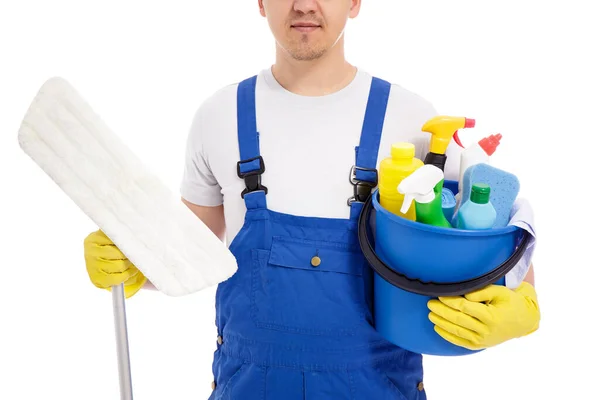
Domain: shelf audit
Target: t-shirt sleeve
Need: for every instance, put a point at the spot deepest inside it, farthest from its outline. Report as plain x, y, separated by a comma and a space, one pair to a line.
199, 185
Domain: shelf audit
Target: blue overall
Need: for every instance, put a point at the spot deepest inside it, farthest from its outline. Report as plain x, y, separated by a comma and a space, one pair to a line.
295, 321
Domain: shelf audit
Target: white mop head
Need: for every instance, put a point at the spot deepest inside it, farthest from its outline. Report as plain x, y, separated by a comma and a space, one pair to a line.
172, 247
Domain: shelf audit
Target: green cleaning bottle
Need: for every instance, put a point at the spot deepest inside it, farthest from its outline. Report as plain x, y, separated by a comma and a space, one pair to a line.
424, 186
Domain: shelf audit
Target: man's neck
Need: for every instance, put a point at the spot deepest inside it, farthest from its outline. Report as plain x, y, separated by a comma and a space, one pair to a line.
328, 74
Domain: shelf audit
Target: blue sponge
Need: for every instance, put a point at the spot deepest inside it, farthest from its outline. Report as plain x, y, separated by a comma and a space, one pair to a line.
504, 190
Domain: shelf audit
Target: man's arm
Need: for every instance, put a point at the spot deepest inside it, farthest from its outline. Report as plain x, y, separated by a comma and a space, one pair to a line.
529, 278
213, 217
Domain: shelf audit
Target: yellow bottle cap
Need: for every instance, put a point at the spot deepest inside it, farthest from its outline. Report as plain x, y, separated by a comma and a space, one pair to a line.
403, 150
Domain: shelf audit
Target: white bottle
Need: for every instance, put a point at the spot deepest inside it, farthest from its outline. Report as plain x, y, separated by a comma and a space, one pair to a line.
477, 153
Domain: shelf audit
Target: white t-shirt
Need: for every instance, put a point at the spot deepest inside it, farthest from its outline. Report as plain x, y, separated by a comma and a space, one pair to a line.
307, 143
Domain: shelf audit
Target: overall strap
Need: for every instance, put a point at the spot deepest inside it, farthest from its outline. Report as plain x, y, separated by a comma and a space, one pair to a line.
251, 164
363, 174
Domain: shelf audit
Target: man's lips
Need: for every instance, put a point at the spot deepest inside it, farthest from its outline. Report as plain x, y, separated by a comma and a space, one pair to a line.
305, 26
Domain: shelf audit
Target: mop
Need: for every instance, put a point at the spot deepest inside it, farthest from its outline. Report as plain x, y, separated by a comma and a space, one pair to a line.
161, 236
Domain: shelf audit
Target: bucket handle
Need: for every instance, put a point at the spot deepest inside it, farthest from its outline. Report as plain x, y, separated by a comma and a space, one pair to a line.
431, 289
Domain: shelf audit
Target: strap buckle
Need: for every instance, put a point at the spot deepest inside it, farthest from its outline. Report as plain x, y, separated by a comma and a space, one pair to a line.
252, 179
362, 189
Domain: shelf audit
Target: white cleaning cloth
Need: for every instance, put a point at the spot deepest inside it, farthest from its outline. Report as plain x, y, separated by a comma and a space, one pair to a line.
521, 215
172, 247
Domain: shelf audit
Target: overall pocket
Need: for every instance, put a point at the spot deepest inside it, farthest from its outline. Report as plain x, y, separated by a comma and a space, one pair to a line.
247, 382
308, 287
374, 384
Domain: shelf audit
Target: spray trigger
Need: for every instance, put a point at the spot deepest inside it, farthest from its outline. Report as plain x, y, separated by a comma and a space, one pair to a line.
419, 186
408, 198
457, 139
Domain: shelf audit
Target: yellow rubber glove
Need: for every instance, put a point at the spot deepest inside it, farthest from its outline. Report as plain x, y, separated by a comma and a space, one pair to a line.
107, 265
486, 317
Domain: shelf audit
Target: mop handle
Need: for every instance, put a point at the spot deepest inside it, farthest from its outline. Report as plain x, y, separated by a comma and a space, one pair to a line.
118, 296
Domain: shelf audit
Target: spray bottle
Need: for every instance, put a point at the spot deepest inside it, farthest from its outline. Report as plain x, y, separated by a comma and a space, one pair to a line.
424, 186
442, 128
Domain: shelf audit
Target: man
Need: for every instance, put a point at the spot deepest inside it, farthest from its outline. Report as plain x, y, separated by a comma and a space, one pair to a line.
295, 321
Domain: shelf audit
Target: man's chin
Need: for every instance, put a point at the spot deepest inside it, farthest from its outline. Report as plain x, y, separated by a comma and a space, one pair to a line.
306, 54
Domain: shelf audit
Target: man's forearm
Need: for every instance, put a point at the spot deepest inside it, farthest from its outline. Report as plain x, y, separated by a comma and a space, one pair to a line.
529, 278
149, 285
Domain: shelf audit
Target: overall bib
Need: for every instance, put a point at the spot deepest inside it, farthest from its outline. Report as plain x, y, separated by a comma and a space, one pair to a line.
295, 321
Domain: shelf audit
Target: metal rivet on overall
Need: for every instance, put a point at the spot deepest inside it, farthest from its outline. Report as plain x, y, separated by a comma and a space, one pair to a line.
420, 386
315, 261
214, 385
219, 340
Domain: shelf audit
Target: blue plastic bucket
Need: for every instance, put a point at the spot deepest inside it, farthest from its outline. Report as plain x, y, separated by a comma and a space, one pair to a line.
415, 262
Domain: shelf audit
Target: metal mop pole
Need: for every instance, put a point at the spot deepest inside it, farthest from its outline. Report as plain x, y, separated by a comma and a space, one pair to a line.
118, 295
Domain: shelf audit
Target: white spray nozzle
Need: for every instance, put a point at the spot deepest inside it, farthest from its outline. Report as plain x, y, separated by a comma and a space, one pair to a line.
419, 185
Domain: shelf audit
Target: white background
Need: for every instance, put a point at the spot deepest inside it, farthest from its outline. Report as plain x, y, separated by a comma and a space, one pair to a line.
527, 69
